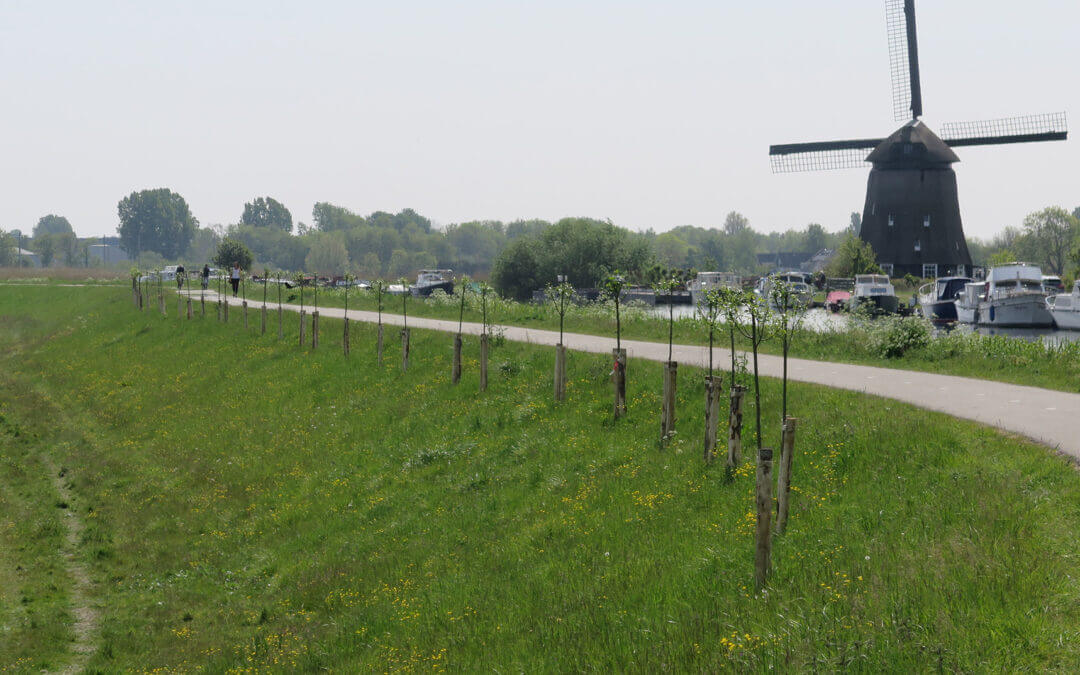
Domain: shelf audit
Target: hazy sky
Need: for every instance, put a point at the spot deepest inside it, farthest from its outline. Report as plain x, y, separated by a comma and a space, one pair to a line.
651, 114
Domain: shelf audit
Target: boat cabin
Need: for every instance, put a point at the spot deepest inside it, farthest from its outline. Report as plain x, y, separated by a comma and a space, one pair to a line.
1015, 279
873, 284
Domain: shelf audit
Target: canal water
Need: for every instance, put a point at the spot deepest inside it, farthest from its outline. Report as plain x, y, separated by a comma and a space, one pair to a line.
823, 321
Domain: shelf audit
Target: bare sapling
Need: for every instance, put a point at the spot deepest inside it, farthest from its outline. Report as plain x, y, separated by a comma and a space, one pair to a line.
612, 287
315, 314
560, 295
378, 287
345, 336
265, 280
485, 291
455, 374
671, 368
406, 292
280, 314
711, 309
243, 296
299, 278
757, 326
790, 311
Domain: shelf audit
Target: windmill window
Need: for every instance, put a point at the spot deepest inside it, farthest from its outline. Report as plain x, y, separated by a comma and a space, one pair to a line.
918, 245
926, 221
890, 220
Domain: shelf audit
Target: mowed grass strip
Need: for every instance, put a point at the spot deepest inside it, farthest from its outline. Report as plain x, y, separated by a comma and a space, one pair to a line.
260, 506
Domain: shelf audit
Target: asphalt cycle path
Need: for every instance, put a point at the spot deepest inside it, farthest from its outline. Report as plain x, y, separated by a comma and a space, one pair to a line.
1049, 417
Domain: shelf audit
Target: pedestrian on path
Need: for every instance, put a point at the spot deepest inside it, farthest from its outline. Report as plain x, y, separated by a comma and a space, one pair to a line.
205, 276
180, 276
235, 278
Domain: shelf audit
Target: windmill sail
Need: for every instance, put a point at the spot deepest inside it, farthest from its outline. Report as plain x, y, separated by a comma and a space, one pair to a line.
826, 155
903, 59
1027, 129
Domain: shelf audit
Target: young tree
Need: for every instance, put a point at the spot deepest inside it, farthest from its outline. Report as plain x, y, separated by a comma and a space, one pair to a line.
790, 312
612, 288
231, 251
756, 327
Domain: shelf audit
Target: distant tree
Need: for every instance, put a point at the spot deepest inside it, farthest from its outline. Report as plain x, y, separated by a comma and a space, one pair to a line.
816, 238
203, 245
525, 228
232, 251
854, 256
370, 265
736, 223
155, 220
516, 271
327, 255
52, 224
855, 225
1002, 256
273, 245
1049, 237
671, 250
45, 247
329, 218
267, 212
8, 244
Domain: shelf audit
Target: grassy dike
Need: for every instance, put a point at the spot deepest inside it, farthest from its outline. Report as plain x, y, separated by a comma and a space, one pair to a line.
996, 357
251, 505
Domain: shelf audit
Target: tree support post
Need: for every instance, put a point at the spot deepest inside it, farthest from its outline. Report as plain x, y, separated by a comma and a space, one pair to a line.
560, 372
202, 306
345, 338
303, 318
226, 305
667, 411
379, 343
179, 306
713, 386
783, 475
455, 371
735, 421
219, 310
189, 312
763, 501
245, 315
280, 324
315, 329
483, 362
404, 350
618, 379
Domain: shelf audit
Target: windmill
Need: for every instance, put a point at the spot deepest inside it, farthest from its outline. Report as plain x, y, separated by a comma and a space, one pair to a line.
912, 213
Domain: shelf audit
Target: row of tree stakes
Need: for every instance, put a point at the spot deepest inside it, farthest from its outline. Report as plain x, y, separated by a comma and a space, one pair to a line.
755, 317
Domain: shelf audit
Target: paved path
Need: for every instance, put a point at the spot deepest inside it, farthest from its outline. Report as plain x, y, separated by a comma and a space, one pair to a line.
1049, 417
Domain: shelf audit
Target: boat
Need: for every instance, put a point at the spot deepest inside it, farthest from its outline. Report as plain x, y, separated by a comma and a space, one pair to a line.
802, 296
967, 304
707, 281
836, 301
1012, 296
874, 293
1053, 284
937, 299
1065, 308
429, 281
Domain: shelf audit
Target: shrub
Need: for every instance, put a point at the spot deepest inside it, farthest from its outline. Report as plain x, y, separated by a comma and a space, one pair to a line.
892, 338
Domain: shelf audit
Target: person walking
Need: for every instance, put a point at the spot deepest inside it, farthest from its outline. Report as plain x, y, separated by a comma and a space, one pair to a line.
205, 276
180, 276
234, 278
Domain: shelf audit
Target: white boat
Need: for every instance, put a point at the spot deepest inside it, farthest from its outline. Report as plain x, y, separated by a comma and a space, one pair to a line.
427, 281
875, 293
1014, 297
967, 304
707, 281
801, 294
1065, 308
937, 299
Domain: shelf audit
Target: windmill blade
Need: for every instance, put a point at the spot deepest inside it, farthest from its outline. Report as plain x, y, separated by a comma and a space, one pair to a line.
903, 59
820, 156
1027, 129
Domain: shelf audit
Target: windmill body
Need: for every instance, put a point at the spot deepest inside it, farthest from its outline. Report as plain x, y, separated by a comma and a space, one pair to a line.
911, 217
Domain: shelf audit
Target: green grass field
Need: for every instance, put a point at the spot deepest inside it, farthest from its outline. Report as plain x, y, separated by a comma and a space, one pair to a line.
250, 505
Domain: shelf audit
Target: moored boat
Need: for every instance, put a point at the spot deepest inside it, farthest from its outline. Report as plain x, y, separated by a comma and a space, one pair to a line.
428, 281
874, 293
1014, 297
937, 299
707, 281
1065, 308
801, 295
837, 301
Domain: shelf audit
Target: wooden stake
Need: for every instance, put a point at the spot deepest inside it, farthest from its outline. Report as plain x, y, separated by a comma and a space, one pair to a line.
219, 310
226, 311
379, 341
262, 323
455, 371
713, 387
618, 379
245, 314
763, 501
189, 314
667, 412
560, 372
345, 338
404, 349
179, 306
202, 306
483, 362
303, 316
783, 475
280, 324
315, 329
734, 447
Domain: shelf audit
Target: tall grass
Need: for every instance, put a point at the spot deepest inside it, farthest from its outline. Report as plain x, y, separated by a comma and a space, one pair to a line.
254, 506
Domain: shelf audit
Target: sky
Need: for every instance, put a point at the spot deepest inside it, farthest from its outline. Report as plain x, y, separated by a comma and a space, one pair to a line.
652, 115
